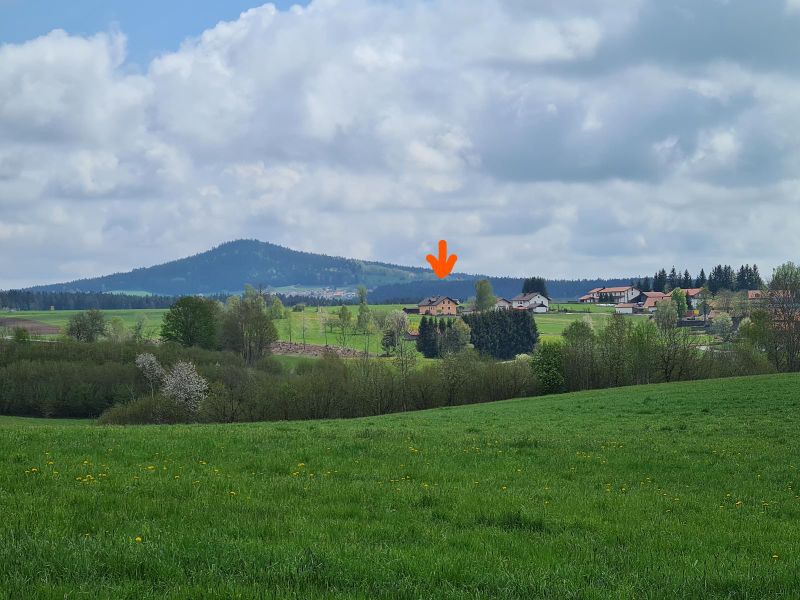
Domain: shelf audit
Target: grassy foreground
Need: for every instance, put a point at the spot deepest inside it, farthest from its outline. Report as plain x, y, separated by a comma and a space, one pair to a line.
686, 490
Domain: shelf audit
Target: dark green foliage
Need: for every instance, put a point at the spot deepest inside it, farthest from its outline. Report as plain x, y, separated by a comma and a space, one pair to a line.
548, 368
721, 278
144, 411
428, 338
502, 334
686, 282
87, 326
701, 279
440, 337
660, 281
645, 285
535, 285
38, 300
192, 321
672, 279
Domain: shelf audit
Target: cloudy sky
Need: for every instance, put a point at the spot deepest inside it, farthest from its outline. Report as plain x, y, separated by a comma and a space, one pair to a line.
602, 137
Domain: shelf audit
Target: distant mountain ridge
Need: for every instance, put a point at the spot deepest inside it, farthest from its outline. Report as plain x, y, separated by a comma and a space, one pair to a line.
227, 268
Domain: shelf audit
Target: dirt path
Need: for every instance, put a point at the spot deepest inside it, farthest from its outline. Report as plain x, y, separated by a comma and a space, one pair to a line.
281, 348
32, 327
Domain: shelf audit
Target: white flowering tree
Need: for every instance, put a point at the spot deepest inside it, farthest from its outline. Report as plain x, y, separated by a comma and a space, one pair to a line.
152, 370
185, 386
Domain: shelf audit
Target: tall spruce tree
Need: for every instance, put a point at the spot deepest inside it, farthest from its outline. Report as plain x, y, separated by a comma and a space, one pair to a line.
687, 280
672, 280
535, 285
701, 279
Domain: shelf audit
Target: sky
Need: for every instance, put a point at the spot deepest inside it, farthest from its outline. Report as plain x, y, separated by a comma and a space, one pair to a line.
599, 138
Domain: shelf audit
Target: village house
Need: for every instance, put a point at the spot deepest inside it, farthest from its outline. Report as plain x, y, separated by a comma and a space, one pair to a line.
502, 304
438, 306
647, 302
535, 302
611, 295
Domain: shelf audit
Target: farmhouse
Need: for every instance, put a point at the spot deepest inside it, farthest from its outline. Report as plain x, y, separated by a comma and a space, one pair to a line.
646, 302
535, 302
502, 304
650, 300
611, 295
438, 305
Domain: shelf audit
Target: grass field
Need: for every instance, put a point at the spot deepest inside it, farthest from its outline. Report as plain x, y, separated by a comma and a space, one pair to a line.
687, 490
60, 318
550, 325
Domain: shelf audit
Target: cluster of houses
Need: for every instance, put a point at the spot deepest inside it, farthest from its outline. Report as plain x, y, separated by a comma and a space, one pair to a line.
628, 300
443, 306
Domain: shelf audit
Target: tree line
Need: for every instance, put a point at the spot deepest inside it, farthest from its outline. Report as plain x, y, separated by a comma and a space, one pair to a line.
721, 277
43, 300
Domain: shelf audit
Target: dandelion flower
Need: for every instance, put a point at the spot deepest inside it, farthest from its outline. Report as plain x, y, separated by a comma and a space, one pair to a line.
138, 539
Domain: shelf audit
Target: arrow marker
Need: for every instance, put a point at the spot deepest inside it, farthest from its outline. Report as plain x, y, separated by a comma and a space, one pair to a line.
443, 264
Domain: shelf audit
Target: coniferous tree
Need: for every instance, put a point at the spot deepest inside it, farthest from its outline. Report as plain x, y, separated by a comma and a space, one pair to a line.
672, 280
535, 285
502, 334
743, 278
701, 279
757, 283
687, 280
646, 285
660, 281
423, 333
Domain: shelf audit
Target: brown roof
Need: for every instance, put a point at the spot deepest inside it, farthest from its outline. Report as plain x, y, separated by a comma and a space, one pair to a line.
654, 298
692, 292
626, 305
436, 300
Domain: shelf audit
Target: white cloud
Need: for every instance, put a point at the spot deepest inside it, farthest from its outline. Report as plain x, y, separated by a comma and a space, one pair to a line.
544, 137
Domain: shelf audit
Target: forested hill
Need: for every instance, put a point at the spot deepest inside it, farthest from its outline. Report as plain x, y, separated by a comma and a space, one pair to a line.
507, 287
228, 267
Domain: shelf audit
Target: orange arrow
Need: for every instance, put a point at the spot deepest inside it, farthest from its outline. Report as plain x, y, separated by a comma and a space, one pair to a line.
443, 264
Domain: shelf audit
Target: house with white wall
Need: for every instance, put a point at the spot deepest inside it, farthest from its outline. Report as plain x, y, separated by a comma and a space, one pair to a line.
535, 302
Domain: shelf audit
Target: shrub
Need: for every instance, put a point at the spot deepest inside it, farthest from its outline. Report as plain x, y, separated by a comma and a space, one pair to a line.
147, 410
548, 368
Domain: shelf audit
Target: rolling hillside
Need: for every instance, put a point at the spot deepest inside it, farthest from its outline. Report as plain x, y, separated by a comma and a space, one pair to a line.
686, 490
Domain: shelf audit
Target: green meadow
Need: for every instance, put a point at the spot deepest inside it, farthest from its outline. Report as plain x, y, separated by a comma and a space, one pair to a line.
685, 490
311, 321
60, 318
